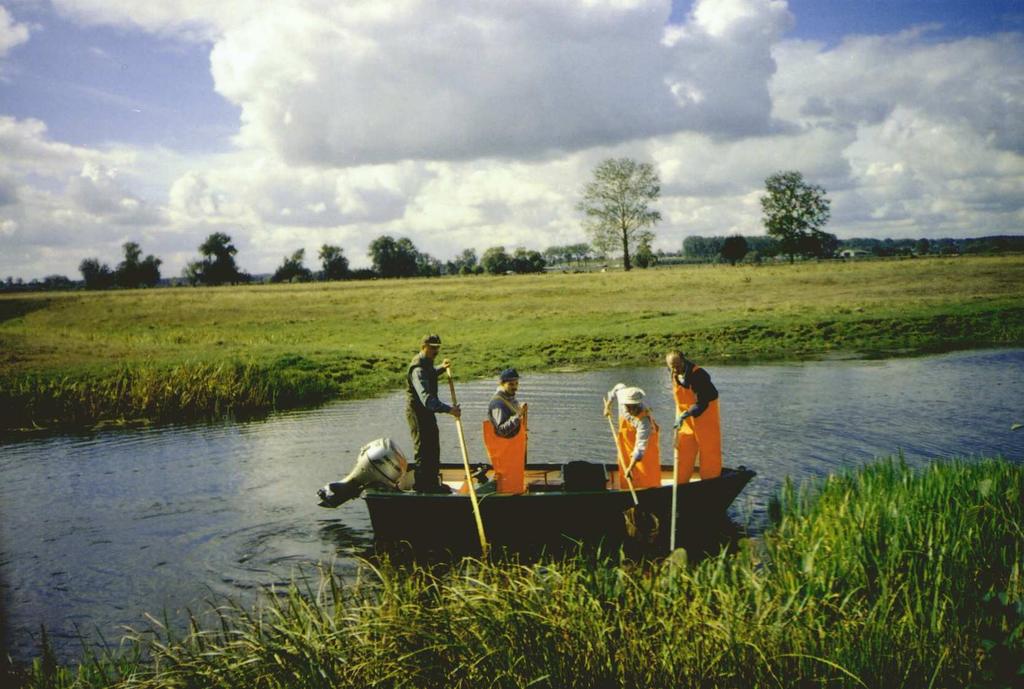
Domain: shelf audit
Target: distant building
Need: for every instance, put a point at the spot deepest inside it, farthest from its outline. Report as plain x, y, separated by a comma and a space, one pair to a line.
853, 253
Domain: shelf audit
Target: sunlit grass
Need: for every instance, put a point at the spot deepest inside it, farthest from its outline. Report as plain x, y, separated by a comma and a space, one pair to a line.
882, 577
351, 339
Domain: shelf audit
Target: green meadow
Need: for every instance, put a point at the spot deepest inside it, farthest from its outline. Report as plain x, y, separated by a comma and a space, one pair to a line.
880, 577
86, 358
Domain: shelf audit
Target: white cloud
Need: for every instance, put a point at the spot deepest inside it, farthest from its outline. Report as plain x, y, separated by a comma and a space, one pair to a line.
99, 192
938, 129
347, 84
197, 20
973, 82
11, 32
26, 148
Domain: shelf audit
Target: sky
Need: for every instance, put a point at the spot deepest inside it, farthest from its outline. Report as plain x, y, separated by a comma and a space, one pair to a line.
476, 123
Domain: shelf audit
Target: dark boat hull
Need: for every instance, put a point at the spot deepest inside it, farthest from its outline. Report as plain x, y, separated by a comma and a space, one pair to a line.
549, 519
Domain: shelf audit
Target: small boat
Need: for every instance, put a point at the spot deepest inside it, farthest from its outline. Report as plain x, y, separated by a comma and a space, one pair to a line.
578, 502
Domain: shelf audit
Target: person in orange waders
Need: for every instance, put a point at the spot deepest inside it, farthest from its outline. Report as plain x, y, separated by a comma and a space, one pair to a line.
698, 424
637, 437
505, 435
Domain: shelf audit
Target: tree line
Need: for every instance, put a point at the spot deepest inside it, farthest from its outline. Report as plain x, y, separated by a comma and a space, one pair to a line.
617, 214
754, 249
390, 258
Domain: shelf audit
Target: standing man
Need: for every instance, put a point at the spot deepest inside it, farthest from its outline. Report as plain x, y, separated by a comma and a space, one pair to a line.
505, 434
422, 406
698, 423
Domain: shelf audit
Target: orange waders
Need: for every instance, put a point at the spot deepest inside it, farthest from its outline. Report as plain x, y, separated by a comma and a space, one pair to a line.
647, 472
701, 434
508, 457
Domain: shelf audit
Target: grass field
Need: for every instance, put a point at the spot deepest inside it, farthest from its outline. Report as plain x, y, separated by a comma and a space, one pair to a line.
79, 358
880, 577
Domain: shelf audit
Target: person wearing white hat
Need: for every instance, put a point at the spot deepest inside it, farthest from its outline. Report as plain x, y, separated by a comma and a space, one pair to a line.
637, 437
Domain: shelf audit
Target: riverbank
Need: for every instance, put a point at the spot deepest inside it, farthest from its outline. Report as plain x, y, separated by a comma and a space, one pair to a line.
73, 360
881, 576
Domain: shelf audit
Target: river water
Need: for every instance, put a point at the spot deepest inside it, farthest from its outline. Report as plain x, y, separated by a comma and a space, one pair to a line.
96, 530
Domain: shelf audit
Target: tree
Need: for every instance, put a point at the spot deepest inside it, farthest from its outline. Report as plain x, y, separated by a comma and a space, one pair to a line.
734, 248
427, 265
57, 282
393, 258
579, 252
616, 206
464, 263
819, 245
528, 261
335, 265
193, 272
133, 272
795, 212
696, 246
292, 269
645, 258
495, 261
96, 275
217, 266
555, 255
923, 247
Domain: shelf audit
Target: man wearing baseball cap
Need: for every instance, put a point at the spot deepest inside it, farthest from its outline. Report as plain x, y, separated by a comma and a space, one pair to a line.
504, 434
422, 406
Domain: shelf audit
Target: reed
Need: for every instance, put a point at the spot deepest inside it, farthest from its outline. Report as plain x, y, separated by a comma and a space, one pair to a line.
883, 576
142, 394
79, 358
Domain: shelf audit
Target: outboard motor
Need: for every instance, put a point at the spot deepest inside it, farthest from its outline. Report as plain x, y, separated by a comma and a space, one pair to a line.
380, 464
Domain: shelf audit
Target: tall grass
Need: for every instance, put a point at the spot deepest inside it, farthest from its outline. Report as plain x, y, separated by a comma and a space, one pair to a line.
882, 577
145, 394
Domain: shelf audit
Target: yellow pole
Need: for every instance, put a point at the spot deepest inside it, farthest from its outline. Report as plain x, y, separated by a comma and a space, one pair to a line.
622, 462
484, 548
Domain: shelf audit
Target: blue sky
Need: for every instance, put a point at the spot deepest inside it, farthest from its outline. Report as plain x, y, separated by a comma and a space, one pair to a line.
473, 124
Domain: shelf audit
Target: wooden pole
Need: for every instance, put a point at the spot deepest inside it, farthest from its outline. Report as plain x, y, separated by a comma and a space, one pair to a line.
675, 486
484, 548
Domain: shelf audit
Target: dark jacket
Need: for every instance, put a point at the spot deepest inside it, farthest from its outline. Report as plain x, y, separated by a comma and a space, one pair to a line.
501, 413
421, 387
699, 381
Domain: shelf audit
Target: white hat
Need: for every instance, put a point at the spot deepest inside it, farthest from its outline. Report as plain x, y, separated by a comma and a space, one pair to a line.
631, 396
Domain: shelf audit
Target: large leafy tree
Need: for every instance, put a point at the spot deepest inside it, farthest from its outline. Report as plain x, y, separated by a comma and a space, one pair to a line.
734, 248
795, 213
645, 256
135, 271
528, 261
616, 206
217, 266
335, 265
496, 260
394, 258
95, 274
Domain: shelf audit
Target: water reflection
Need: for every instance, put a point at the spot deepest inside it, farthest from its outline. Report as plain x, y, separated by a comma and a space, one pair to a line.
98, 529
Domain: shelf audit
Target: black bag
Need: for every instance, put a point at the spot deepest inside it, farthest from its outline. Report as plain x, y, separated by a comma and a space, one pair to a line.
580, 476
